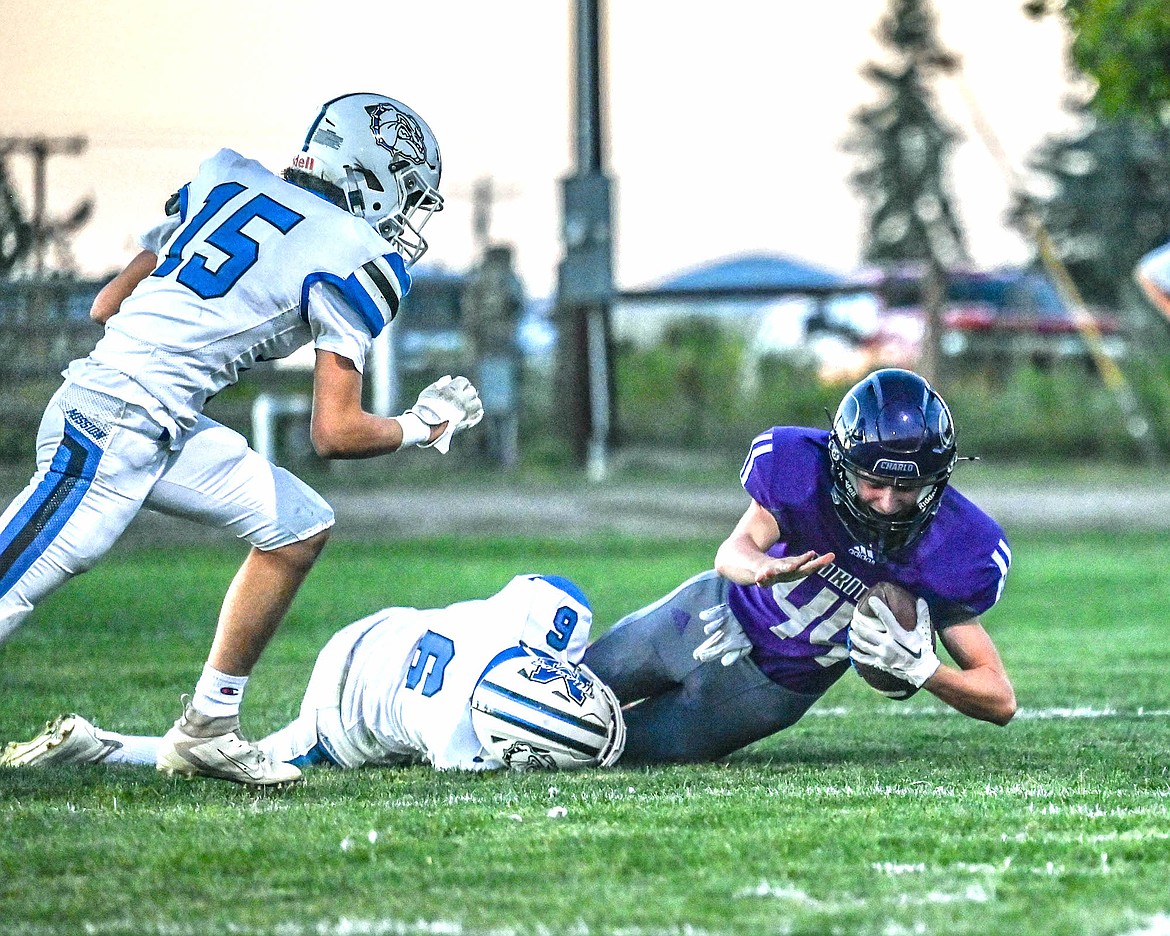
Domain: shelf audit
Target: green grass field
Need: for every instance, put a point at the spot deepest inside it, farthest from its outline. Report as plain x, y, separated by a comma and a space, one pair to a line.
868, 817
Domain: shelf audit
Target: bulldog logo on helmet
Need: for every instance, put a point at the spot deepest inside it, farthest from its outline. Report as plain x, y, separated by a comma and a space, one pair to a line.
520, 755
398, 133
576, 686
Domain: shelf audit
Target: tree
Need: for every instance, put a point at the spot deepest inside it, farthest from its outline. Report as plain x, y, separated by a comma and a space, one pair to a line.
1124, 45
903, 145
16, 235
1108, 200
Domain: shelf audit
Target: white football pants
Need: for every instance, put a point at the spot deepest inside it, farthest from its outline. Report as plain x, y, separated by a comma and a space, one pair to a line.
100, 460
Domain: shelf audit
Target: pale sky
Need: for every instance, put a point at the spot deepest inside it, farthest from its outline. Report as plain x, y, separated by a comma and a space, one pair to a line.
725, 120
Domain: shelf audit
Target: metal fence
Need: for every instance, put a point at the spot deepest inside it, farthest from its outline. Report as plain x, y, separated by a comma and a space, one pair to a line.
43, 326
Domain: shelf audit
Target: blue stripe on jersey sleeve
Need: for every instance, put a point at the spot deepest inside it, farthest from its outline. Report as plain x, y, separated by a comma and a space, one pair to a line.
367, 306
568, 586
399, 267
357, 297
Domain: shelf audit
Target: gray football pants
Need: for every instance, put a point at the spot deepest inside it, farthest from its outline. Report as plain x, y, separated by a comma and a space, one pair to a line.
689, 711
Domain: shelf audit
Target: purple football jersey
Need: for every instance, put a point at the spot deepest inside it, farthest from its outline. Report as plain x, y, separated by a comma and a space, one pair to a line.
799, 628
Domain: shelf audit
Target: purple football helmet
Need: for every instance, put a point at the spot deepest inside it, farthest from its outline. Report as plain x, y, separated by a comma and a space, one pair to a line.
892, 428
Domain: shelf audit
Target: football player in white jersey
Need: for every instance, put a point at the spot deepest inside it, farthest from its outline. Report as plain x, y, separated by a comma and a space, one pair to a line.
478, 685
246, 266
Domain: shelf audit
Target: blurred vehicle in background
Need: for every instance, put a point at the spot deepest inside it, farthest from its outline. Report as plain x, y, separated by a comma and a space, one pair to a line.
991, 318
429, 326
428, 329
845, 324
848, 324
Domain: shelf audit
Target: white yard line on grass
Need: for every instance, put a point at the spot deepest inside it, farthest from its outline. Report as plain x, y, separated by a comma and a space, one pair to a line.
1025, 714
342, 926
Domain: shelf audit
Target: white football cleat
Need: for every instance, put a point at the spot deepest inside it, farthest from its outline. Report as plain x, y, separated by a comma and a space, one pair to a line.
67, 739
199, 745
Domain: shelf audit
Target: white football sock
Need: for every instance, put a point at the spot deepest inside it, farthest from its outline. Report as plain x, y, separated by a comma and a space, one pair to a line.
135, 749
292, 741
217, 694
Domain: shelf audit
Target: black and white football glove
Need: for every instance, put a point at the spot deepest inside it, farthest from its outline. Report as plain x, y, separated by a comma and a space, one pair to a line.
878, 640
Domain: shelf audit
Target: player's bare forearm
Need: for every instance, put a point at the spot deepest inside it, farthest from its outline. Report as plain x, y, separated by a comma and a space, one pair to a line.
110, 297
743, 557
340, 428
734, 566
979, 687
740, 560
360, 435
984, 692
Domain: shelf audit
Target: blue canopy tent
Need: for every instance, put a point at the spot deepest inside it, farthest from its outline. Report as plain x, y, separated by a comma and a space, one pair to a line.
749, 275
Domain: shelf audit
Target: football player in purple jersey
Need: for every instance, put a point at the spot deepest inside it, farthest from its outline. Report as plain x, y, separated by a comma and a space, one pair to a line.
742, 651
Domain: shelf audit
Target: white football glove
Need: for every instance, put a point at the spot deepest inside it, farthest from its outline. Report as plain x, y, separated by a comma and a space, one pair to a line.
878, 640
725, 637
450, 400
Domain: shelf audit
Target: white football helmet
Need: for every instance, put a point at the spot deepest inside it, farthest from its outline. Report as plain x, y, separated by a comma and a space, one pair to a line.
384, 158
534, 712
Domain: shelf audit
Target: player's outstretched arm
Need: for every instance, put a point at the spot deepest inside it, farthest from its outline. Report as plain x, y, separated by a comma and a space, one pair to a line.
979, 687
743, 558
341, 428
109, 298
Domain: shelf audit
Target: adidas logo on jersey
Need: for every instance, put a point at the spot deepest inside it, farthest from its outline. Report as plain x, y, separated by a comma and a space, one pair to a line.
864, 553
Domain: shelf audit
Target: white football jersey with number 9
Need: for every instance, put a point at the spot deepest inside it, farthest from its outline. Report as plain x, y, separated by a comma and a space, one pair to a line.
410, 679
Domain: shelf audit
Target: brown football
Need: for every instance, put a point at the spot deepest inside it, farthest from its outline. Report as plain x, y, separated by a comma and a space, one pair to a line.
901, 603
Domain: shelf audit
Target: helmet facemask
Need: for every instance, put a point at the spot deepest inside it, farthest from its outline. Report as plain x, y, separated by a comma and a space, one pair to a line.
412, 204
615, 743
886, 534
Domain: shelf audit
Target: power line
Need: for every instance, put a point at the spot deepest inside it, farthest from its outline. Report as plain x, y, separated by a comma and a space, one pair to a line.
45, 231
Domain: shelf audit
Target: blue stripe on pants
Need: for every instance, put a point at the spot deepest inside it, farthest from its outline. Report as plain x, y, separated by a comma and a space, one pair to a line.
314, 756
50, 506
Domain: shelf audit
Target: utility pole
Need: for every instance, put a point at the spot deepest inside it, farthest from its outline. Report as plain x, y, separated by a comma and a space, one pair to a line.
44, 230
486, 193
483, 196
585, 277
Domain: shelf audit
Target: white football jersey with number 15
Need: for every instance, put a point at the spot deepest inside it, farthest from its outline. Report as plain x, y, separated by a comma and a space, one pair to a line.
250, 268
